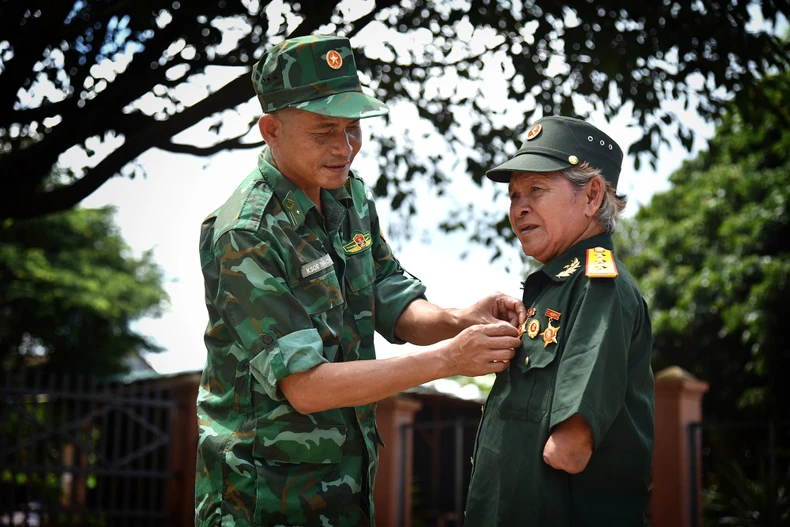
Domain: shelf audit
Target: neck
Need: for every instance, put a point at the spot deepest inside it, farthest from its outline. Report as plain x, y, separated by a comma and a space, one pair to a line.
593, 229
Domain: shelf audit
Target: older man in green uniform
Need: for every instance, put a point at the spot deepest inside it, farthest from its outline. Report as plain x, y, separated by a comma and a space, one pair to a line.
566, 437
297, 279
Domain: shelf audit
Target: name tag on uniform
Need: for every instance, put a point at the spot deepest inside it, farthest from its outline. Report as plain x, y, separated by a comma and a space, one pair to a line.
316, 265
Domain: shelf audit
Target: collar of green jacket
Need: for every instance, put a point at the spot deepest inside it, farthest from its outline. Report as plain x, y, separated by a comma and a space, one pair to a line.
565, 261
296, 203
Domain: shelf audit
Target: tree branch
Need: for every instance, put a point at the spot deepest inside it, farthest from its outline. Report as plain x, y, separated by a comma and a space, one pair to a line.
367, 19
28, 51
230, 144
139, 138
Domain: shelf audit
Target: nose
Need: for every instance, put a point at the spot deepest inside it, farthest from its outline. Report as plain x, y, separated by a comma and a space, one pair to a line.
342, 146
519, 207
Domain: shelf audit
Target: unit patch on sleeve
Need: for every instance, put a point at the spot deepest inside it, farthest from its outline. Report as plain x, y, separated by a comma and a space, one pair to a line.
359, 242
600, 263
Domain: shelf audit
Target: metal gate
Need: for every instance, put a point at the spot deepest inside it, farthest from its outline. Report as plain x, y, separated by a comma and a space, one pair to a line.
441, 471
78, 451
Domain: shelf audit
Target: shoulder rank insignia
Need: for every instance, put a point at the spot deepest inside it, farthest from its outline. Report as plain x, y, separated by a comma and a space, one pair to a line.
600, 263
359, 242
569, 269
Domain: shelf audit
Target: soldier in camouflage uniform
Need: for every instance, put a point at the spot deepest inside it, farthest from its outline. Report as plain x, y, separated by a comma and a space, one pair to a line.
297, 279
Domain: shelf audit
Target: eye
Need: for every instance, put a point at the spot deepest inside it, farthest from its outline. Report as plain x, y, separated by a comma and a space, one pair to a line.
514, 195
535, 189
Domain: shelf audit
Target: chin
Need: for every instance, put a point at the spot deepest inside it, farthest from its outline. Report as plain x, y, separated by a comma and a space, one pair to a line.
531, 253
338, 182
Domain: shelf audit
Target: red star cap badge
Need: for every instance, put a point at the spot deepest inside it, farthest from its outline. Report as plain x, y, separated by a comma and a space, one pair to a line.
334, 59
534, 132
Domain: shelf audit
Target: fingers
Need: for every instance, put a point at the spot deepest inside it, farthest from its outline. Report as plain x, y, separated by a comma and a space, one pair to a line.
500, 328
516, 312
500, 355
499, 366
507, 308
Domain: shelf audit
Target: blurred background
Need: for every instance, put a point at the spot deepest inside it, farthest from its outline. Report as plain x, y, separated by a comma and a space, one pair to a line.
124, 124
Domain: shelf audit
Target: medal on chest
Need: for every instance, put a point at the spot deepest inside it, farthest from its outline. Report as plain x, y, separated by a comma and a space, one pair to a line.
531, 326
550, 333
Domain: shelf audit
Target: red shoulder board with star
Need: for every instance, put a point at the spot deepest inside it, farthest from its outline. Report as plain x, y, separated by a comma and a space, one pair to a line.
600, 263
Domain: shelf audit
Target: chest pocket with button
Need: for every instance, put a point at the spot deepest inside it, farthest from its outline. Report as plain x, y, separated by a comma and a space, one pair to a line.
532, 374
319, 292
360, 273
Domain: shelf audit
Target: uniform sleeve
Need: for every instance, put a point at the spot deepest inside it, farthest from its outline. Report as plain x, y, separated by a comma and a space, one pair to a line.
250, 292
393, 291
592, 374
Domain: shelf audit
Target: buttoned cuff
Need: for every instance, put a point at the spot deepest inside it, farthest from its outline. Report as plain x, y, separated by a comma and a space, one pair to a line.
393, 295
295, 352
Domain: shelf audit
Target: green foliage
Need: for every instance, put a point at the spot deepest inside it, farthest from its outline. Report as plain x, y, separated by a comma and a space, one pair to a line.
712, 255
102, 76
735, 499
69, 290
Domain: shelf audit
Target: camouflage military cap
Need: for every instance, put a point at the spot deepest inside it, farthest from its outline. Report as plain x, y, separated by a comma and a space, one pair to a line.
556, 143
315, 73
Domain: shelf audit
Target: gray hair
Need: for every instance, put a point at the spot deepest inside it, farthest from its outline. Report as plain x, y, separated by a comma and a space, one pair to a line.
612, 204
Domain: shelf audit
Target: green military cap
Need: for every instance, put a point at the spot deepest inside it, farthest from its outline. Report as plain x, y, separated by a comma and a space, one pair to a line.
315, 73
556, 143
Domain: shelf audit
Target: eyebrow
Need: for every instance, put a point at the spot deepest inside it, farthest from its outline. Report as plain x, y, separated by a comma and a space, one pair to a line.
330, 124
537, 177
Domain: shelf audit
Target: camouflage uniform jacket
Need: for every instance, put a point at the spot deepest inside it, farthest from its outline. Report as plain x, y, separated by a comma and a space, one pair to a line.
288, 289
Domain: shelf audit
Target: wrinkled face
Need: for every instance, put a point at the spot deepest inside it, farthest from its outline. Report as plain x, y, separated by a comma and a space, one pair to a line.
315, 151
546, 214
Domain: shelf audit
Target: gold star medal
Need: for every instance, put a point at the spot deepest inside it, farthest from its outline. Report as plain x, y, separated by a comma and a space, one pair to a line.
550, 335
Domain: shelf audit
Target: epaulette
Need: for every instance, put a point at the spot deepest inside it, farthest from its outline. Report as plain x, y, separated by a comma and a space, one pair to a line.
600, 263
244, 208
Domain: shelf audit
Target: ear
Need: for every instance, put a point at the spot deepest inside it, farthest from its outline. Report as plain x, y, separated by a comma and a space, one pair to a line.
271, 129
593, 195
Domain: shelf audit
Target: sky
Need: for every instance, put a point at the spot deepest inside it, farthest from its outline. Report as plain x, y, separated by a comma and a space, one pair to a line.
163, 211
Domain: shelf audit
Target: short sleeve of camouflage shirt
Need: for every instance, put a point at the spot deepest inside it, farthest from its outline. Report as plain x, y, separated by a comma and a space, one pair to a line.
393, 291
252, 294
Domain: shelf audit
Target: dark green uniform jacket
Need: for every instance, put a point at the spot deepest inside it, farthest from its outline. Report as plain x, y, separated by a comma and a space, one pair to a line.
587, 351
288, 289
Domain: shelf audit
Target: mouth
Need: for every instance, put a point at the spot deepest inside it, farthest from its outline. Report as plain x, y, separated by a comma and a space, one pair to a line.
526, 229
338, 167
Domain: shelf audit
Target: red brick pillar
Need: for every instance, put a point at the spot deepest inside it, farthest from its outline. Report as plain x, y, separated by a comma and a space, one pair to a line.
183, 450
393, 481
678, 403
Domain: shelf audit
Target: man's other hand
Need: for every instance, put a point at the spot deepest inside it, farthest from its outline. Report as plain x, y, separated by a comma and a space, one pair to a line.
482, 349
494, 307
